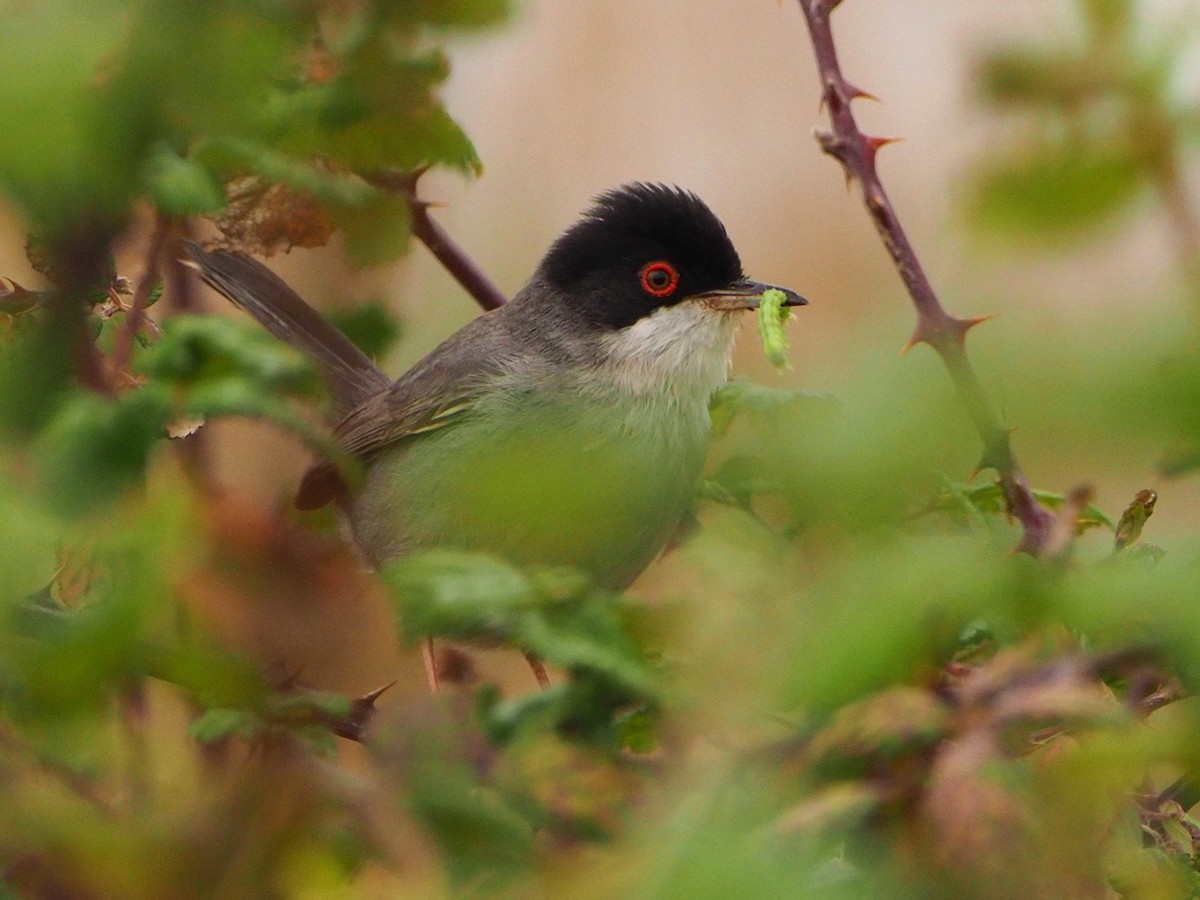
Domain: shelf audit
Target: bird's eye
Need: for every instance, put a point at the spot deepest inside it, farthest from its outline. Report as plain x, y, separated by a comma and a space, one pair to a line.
659, 278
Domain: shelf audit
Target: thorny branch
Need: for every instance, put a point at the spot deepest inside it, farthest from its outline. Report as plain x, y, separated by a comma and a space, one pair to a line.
440, 244
945, 333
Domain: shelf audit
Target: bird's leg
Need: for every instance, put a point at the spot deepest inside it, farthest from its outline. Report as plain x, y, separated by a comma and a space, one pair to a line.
539, 670
431, 670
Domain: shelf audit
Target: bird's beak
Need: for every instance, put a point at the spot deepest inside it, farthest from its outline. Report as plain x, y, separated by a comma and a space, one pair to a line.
744, 294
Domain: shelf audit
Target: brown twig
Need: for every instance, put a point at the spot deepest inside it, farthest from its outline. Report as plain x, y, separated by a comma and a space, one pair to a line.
440, 244
194, 450
136, 313
945, 333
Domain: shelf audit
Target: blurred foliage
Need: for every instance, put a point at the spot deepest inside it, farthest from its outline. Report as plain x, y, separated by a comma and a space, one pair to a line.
1099, 120
852, 687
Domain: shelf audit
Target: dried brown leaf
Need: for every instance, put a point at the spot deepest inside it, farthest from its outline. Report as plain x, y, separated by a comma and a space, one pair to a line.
266, 218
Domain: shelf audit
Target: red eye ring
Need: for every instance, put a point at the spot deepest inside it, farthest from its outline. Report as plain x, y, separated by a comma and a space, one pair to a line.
659, 278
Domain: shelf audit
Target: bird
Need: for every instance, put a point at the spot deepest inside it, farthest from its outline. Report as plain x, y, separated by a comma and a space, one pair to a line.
566, 427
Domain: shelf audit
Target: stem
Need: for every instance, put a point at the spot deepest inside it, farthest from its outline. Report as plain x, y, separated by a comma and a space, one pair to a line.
945, 333
194, 451
452, 257
136, 314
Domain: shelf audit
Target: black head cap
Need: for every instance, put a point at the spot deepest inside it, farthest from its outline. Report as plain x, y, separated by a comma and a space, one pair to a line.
639, 248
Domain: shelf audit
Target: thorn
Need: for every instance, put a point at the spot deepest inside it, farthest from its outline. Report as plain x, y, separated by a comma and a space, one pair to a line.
853, 92
368, 699
917, 338
962, 326
875, 144
922, 334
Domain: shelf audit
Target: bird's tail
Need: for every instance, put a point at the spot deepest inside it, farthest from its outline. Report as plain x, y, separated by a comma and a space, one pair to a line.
250, 285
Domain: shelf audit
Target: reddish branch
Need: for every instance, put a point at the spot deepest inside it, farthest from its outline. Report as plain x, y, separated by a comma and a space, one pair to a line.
135, 315
945, 333
440, 244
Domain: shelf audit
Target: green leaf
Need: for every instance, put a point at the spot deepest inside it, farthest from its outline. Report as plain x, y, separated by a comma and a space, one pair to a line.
447, 13
461, 596
36, 373
1108, 17
235, 155
182, 187
1056, 190
225, 367
482, 841
203, 350
974, 501
639, 730
372, 326
95, 447
57, 159
743, 397
465, 596
1043, 79
739, 479
217, 724
375, 232
307, 706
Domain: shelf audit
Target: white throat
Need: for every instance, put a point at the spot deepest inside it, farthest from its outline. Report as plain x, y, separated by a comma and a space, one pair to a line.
679, 352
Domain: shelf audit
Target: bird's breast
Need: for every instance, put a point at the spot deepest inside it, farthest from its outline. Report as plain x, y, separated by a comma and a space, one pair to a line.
562, 474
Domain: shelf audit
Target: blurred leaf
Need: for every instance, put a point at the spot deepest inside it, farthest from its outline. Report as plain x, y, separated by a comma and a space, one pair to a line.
373, 326
458, 595
1056, 190
569, 789
36, 372
896, 722
182, 187
61, 164
224, 367
215, 725
272, 167
446, 13
1029, 78
197, 351
464, 596
1108, 17
375, 232
95, 447
974, 502
432, 762
738, 480
742, 397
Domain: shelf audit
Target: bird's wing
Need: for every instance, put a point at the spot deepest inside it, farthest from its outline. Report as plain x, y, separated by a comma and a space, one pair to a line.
437, 392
